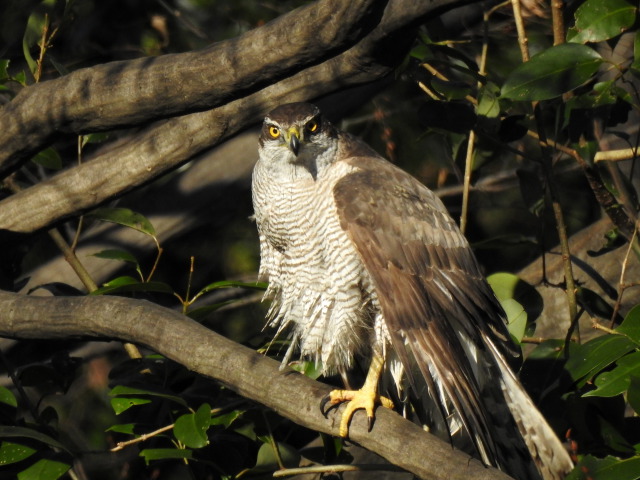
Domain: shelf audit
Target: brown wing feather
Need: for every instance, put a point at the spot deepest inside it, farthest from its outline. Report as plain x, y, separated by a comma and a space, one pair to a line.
428, 283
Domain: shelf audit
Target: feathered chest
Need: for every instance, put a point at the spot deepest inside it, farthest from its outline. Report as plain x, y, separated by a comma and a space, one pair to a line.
316, 278
296, 212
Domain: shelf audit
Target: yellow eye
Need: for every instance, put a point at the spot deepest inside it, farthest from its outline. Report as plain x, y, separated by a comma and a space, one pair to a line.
312, 126
274, 132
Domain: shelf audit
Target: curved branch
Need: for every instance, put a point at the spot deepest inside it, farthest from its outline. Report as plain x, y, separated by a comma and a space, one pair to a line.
168, 144
127, 93
290, 394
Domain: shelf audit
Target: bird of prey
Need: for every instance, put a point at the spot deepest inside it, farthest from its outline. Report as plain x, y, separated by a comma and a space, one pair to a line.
365, 264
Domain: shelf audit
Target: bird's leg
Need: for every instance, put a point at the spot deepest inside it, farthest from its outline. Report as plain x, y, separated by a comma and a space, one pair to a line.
367, 397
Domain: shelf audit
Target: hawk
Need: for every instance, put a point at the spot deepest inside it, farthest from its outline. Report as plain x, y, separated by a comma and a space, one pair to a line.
365, 264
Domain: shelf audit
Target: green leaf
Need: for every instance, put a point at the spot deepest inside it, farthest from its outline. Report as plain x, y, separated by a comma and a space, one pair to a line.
551, 73
636, 52
503, 284
506, 285
590, 358
616, 381
127, 284
4, 72
307, 368
33, 66
44, 469
488, 105
127, 428
23, 432
609, 468
122, 404
124, 390
230, 283
549, 351
121, 281
226, 419
48, 158
115, 254
519, 300
6, 396
631, 325
94, 138
124, 217
150, 454
633, 393
598, 20
191, 428
516, 318
267, 461
14, 452
21, 78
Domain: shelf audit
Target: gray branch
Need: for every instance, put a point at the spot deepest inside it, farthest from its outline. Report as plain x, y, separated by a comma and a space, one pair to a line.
246, 372
166, 145
126, 93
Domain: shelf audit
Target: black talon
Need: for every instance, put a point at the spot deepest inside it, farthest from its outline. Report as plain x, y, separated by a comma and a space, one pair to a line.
370, 421
323, 402
326, 399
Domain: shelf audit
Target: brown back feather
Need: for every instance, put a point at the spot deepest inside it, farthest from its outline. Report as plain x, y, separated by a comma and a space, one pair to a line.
430, 288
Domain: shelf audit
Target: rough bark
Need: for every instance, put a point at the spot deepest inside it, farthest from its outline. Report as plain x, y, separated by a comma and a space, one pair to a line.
126, 93
290, 394
166, 145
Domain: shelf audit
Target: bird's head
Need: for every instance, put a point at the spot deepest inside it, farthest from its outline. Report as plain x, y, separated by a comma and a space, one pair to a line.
296, 133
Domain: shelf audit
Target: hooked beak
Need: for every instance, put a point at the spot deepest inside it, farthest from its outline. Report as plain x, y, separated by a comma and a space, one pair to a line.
293, 140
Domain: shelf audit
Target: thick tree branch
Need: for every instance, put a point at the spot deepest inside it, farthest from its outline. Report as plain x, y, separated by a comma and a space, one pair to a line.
251, 375
164, 146
126, 93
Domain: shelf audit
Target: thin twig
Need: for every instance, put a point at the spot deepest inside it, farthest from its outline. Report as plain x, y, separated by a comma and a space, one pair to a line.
142, 438
428, 91
43, 48
621, 285
523, 41
605, 198
557, 16
551, 186
336, 469
146, 436
616, 155
599, 326
157, 260
562, 231
76, 237
272, 441
468, 165
72, 260
439, 75
466, 184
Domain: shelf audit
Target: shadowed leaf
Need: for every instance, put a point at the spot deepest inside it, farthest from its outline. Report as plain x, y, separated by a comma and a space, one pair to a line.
551, 73
598, 20
124, 217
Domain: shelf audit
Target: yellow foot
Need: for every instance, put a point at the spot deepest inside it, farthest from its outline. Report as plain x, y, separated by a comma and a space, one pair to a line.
358, 399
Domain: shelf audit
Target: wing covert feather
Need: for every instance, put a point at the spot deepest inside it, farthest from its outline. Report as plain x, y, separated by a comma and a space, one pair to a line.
432, 293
